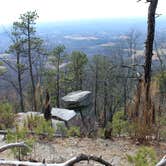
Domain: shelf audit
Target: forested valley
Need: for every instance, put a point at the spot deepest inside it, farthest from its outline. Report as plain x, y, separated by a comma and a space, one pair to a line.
61, 106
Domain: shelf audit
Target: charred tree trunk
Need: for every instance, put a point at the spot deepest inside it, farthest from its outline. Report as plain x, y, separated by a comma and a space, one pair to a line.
149, 44
47, 107
57, 83
96, 91
105, 103
20, 82
148, 58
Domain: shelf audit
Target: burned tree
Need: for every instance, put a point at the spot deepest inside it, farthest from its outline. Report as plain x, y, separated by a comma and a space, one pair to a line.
149, 44
148, 59
47, 107
142, 110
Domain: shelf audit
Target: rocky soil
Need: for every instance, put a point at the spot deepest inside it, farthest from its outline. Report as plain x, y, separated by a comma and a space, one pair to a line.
60, 150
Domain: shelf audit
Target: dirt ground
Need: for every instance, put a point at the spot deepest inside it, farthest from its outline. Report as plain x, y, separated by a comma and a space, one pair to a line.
60, 150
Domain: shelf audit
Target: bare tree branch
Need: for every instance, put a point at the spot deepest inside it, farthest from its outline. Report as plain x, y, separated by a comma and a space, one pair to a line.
162, 162
71, 162
12, 145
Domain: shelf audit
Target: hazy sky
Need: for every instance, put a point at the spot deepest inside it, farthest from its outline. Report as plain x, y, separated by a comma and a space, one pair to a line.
55, 10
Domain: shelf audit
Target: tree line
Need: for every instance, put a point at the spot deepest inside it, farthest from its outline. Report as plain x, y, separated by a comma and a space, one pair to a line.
112, 79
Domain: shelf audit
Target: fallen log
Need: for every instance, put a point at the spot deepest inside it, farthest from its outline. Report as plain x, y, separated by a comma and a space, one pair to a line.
162, 162
84, 157
12, 145
5, 132
71, 162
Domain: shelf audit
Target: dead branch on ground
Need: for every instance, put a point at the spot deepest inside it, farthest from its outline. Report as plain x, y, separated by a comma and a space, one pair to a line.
13, 145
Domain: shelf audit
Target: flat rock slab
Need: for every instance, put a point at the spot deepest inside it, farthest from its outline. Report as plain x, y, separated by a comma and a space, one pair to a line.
77, 99
63, 114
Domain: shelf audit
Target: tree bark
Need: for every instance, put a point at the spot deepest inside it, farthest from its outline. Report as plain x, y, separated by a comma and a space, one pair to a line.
12, 145
96, 90
20, 82
162, 162
105, 103
30, 66
58, 82
149, 44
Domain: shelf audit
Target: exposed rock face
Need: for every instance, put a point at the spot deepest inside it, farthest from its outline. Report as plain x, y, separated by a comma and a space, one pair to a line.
21, 117
77, 99
63, 114
81, 102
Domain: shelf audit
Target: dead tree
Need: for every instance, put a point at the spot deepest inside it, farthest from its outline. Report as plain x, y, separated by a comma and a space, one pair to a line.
149, 44
47, 107
12, 145
70, 162
143, 107
148, 57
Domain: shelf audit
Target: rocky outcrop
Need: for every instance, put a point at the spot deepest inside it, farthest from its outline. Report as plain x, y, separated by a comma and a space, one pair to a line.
81, 102
77, 99
62, 114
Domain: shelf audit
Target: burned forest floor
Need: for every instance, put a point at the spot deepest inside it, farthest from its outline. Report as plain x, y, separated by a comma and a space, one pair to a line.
61, 149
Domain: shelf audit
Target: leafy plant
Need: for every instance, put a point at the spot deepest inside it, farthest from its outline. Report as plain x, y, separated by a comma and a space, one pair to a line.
44, 127
118, 123
145, 156
31, 122
101, 133
39, 125
7, 116
74, 131
20, 135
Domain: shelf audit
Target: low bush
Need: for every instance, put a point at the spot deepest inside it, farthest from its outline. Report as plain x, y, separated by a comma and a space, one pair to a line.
7, 116
101, 133
44, 127
39, 125
119, 125
145, 156
73, 131
20, 135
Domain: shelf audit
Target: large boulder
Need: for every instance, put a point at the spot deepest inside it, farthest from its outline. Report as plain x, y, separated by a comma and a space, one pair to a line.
62, 114
77, 99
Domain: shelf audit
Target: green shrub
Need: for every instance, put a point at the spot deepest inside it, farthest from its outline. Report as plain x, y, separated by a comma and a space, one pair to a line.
20, 135
7, 116
39, 125
32, 122
119, 124
131, 128
105, 133
44, 127
145, 156
162, 134
73, 131
101, 133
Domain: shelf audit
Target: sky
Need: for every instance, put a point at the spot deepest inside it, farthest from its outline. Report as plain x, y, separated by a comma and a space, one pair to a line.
60, 10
